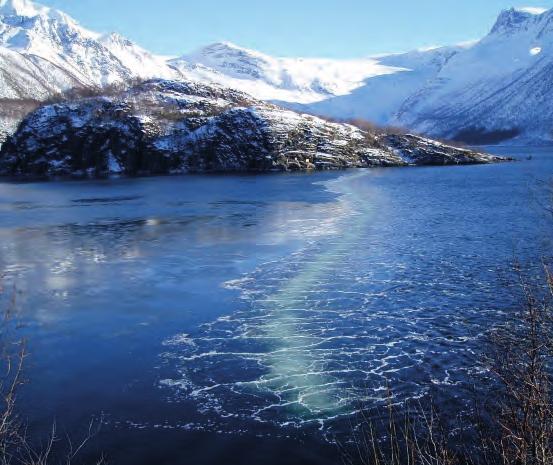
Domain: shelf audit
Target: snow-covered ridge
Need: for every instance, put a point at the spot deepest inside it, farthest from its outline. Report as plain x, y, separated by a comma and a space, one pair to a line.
40, 33
514, 19
23, 8
532, 10
162, 126
488, 90
299, 80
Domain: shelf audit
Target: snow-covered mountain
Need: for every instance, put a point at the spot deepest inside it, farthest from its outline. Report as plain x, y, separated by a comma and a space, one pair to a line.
499, 88
379, 97
495, 89
492, 90
40, 34
292, 80
43, 52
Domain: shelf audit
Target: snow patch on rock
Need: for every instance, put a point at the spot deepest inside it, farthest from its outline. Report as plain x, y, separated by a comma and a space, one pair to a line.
161, 127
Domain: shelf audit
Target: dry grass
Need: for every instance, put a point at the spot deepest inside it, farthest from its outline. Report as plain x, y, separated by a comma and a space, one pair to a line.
408, 437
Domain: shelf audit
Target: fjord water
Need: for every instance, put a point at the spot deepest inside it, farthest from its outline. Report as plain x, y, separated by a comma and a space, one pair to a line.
208, 317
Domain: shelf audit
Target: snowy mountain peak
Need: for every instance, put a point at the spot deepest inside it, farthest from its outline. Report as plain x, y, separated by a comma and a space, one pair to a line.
532, 10
29, 9
234, 61
23, 22
225, 46
296, 80
38, 37
515, 19
229, 55
21, 8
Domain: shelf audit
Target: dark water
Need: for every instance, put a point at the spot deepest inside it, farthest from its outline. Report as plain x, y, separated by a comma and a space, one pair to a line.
244, 319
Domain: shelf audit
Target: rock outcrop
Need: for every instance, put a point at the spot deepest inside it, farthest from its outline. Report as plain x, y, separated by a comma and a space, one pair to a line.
163, 126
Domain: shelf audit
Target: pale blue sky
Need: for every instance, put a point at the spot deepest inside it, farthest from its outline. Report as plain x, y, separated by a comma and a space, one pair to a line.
321, 28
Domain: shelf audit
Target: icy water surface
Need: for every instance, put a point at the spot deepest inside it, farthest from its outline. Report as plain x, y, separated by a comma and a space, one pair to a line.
243, 316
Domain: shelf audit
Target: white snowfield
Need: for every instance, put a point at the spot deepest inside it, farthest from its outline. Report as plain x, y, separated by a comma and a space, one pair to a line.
294, 80
492, 90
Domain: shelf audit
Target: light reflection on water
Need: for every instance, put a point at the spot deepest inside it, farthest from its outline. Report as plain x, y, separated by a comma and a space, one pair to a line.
254, 303
331, 327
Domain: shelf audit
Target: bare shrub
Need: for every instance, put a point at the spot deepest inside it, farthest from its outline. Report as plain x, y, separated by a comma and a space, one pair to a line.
520, 360
12, 356
412, 436
15, 447
513, 425
84, 92
48, 454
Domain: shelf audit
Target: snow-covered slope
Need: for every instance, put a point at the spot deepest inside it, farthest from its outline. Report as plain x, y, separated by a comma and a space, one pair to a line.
41, 33
378, 99
492, 90
44, 52
293, 80
487, 91
498, 88
138, 62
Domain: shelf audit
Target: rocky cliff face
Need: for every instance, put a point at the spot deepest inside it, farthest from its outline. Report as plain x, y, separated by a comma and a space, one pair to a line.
163, 126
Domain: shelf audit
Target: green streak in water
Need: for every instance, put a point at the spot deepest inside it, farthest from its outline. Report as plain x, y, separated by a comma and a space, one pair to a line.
290, 367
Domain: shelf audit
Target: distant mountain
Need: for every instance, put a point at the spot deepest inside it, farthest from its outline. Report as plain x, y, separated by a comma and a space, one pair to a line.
501, 87
493, 90
379, 98
40, 34
496, 89
293, 80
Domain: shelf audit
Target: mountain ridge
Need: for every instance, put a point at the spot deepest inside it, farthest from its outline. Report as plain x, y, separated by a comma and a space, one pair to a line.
448, 92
